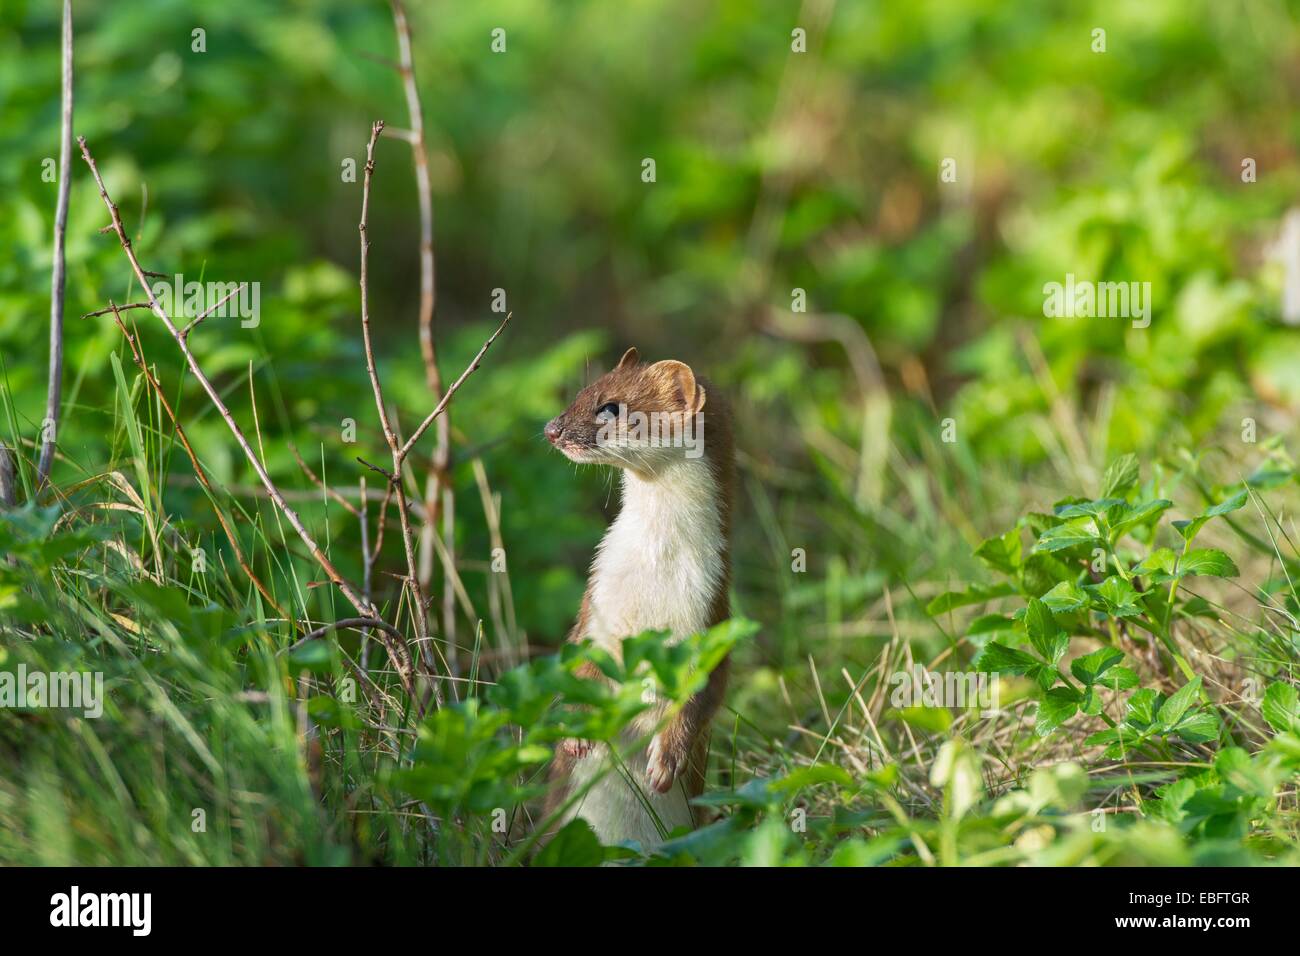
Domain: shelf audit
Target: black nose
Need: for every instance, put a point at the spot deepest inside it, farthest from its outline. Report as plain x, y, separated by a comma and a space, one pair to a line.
553, 430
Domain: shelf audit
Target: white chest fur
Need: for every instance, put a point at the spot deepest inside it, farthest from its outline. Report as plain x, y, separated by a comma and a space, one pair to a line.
661, 561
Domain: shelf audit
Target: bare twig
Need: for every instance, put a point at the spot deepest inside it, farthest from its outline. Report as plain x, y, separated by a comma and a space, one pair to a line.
118, 309
54, 393
397, 650
420, 613
446, 399
185, 332
439, 495
358, 623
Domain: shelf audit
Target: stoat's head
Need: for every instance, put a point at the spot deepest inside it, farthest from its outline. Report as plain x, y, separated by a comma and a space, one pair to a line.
637, 416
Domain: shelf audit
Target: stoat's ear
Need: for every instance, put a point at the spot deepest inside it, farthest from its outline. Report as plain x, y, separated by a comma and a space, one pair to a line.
630, 358
679, 381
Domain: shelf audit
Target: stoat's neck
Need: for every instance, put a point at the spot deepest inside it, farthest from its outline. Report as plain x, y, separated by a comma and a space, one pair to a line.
664, 560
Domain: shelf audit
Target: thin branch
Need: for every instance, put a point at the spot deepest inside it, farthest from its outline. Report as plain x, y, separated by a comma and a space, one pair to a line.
185, 332
397, 651
439, 495
54, 394
117, 308
417, 597
446, 399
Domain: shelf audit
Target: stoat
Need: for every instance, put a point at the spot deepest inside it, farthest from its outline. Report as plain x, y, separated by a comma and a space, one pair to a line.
664, 564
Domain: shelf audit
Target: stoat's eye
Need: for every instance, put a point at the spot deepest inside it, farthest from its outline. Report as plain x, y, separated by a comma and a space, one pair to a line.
607, 412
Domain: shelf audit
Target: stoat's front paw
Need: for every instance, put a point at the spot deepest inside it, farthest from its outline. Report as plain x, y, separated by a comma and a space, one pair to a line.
662, 765
575, 748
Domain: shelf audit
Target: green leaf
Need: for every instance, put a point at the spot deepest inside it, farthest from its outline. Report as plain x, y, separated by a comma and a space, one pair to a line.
1000, 659
1121, 476
812, 776
1189, 529
1044, 633
976, 594
1057, 706
575, 845
932, 720
990, 624
1142, 707
1198, 727
1281, 707
1065, 597
1089, 668
1161, 561
1081, 531
1119, 678
1140, 515
1172, 710
1210, 562
1100, 508
1117, 597
1001, 553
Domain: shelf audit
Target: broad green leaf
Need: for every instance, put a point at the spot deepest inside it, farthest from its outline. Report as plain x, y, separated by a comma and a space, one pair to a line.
1089, 668
976, 594
932, 720
1189, 529
1198, 727
1044, 633
1000, 659
1139, 515
1172, 710
990, 624
1142, 707
1102, 507
1081, 531
1119, 678
1117, 597
1161, 561
820, 773
1001, 553
575, 845
1057, 706
1281, 707
1210, 562
1065, 597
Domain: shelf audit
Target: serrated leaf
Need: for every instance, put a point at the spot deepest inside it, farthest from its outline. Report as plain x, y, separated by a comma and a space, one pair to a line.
1142, 707
1090, 509
1172, 710
1000, 659
1089, 668
1117, 597
1080, 531
1140, 515
1044, 633
1065, 597
1209, 562
1281, 707
1198, 727
1057, 706
575, 845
